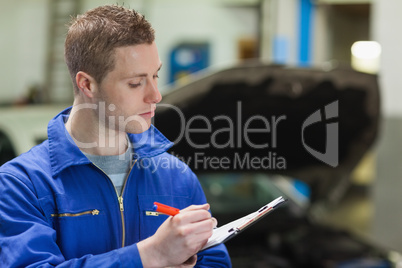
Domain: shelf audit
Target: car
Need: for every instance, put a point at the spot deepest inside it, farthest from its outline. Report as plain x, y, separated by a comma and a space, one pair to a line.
24, 126
255, 131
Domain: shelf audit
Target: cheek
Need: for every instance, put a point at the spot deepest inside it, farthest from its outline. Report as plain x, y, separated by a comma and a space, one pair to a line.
131, 103
118, 103
123, 101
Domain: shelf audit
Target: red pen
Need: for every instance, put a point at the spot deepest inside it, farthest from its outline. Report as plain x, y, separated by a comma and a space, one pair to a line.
165, 209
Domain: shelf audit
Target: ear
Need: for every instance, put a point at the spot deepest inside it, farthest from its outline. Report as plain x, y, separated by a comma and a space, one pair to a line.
86, 83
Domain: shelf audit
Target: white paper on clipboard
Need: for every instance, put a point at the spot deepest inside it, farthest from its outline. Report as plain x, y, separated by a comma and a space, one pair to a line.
227, 231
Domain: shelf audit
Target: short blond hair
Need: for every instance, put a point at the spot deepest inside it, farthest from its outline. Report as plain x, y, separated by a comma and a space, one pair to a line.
93, 36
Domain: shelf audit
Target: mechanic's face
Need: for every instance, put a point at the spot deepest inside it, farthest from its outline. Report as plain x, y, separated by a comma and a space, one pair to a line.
130, 91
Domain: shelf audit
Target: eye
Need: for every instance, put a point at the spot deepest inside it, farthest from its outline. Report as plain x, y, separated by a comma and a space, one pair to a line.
156, 76
134, 85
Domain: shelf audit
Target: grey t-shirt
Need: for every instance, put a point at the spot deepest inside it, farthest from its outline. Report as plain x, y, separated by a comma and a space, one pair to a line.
115, 166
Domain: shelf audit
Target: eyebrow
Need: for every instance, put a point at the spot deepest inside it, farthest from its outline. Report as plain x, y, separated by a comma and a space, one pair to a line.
145, 75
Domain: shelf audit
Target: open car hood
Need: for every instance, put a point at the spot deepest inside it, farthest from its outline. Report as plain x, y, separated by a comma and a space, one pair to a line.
309, 124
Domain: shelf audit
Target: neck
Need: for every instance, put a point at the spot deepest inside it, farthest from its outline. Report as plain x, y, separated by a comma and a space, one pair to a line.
91, 134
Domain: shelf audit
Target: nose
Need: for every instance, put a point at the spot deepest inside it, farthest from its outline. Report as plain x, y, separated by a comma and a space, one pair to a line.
153, 95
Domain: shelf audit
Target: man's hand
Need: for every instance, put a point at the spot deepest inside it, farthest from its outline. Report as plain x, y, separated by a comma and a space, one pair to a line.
190, 263
178, 239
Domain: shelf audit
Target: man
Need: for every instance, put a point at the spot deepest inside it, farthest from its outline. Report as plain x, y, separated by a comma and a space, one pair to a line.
84, 197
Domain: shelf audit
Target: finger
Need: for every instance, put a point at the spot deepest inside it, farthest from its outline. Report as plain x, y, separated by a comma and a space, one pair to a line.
201, 227
191, 217
205, 206
204, 228
199, 241
191, 261
215, 222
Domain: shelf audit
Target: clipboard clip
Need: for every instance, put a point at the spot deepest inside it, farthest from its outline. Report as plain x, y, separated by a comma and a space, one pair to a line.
231, 230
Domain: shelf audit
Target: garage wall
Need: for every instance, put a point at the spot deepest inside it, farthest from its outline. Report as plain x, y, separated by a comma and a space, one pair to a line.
387, 221
386, 22
219, 25
22, 46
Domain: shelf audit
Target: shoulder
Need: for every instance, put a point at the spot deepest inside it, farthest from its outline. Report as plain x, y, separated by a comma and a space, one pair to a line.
28, 165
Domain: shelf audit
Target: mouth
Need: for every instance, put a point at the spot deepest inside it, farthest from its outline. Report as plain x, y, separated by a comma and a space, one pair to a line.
148, 114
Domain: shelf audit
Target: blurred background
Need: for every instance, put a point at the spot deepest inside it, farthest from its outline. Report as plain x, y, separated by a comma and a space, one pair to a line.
193, 35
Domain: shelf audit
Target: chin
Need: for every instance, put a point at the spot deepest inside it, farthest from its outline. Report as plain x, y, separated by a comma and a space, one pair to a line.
137, 128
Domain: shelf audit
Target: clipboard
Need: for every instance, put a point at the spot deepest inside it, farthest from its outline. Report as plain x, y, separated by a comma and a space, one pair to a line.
228, 231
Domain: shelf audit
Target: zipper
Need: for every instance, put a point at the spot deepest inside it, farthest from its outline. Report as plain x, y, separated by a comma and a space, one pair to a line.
123, 226
93, 212
120, 201
123, 240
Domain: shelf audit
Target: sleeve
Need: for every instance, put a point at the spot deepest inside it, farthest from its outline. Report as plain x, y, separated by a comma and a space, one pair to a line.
27, 240
218, 256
